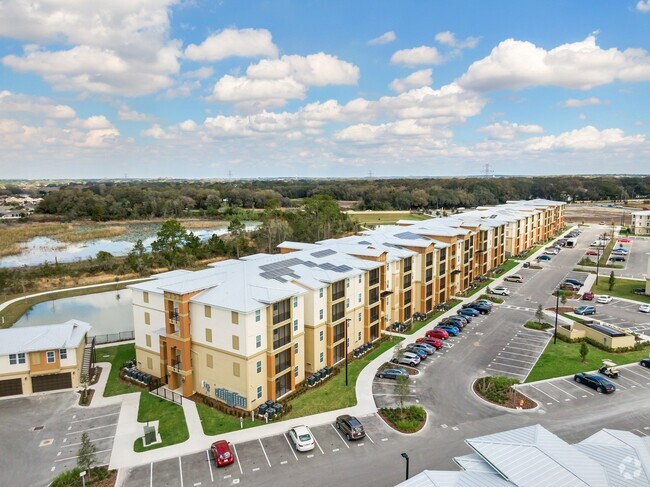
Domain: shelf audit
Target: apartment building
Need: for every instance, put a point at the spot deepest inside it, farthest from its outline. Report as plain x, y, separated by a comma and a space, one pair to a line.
42, 358
248, 330
641, 222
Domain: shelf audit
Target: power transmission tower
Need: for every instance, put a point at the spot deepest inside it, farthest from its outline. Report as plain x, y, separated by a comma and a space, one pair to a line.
487, 171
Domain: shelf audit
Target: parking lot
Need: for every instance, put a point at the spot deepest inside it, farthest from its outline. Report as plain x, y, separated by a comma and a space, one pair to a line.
519, 355
254, 459
633, 380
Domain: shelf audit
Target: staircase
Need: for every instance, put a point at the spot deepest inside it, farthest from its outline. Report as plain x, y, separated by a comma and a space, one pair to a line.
87, 361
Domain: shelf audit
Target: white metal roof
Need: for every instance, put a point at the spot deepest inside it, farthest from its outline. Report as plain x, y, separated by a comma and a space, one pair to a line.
44, 337
433, 478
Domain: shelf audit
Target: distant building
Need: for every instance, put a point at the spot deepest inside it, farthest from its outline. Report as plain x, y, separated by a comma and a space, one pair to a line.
641, 222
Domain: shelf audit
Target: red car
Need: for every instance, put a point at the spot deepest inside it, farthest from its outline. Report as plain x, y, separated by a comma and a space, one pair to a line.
588, 296
437, 333
434, 342
624, 240
221, 453
592, 252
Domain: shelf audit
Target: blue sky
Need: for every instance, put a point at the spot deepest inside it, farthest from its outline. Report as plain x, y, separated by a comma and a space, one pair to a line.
204, 89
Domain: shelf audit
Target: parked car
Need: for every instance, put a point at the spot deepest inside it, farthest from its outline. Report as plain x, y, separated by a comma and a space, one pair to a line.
574, 281
222, 454
620, 250
502, 291
617, 258
420, 352
430, 349
592, 252
604, 299
482, 306
392, 373
585, 310
459, 321
452, 330
544, 257
640, 291
645, 362
569, 286
407, 358
302, 438
595, 382
588, 296
468, 312
551, 251
351, 427
514, 278
624, 240
434, 342
437, 333
644, 308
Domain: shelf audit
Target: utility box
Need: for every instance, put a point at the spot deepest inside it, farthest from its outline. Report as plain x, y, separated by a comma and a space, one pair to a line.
150, 436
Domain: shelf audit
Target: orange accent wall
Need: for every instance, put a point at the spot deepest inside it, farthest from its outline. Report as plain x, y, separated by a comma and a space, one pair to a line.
43, 366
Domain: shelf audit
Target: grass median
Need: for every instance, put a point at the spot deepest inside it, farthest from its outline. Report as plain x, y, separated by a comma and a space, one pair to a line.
623, 288
563, 358
171, 421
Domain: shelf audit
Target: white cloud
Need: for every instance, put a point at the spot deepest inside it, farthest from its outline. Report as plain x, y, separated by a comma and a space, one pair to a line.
113, 46
448, 38
384, 133
417, 56
582, 116
586, 138
96, 122
385, 38
580, 65
643, 6
188, 126
509, 130
17, 103
154, 131
578, 103
257, 93
413, 80
233, 43
126, 114
313, 70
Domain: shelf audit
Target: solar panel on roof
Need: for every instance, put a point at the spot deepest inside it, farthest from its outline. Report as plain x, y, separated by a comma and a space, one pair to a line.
343, 268
364, 242
408, 236
308, 263
327, 266
323, 253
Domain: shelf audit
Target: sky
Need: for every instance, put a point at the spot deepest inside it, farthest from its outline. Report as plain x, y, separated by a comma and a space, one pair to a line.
304, 88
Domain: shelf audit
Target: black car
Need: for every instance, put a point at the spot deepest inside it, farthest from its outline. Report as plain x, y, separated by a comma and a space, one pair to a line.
351, 427
595, 382
451, 321
480, 306
645, 362
575, 282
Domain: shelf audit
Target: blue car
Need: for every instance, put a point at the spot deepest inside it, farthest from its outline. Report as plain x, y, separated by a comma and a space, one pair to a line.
586, 310
469, 312
392, 373
452, 330
422, 353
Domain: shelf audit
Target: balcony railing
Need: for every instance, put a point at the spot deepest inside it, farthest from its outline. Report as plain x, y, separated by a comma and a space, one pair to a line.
282, 366
338, 295
338, 315
338, 336
177, 365
174, 318
281, 342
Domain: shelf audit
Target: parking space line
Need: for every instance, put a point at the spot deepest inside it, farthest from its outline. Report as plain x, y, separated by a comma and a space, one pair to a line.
515, 359
640, 432
95, 417
338, 433
533, 336
151, 475
578, 387
508, 365
515, 353
539, 390
207, 454
506, 372
180, 467
368, 436
536, 342
632, 381
527, 349
92, 441
264, 451
636, 373
290, 447
562, 390
241, 472
77, 456
321, 450
91, 429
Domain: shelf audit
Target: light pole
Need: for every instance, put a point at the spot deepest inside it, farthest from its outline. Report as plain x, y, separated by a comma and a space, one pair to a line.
557, 306
597, 263
347, 323
406, 457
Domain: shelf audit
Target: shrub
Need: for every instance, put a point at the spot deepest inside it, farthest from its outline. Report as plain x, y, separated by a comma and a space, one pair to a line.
534, 325
495, 388
494, 299
410, 420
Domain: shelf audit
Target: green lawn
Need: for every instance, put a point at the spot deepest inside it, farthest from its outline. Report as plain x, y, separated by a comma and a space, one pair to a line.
506, 266
563, 358
481, 286
529, 253
622, 289
419, 324
171, 427
334, 394
215, 422
116, 355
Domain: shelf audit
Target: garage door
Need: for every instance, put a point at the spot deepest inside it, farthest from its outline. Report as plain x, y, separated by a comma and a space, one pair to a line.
51, 382
11, 387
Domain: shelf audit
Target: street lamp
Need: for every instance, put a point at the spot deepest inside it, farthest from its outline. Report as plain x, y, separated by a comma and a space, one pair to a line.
597, 263
406, 457
347, 323
557, 306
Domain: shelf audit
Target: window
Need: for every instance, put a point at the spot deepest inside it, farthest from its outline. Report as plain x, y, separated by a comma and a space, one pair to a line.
145, 297
407, 281
208, 335
347, 282
16, 358
147, 319
373, 295
258, 315
149, 363
259, 392
235, 369
359, 316
295, 325
63, 354
295, 349
359, 337
322, 357
373, 277
207, 310
347, 302
408, 264
407, 297
147, 340
281, 336
374, 314
295, 301
321, 335
320, 314
295, 371
338, 311
234, 317
360, 279
339, 332
388, 266
258, 341
338, 290
49, 356
235, 342
387, 300
281, 311
429, 259
208, 360
359, 298
282, 361
258, 367
320, 294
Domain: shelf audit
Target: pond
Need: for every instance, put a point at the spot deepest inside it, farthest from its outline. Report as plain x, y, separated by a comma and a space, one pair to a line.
107, 312
40, 250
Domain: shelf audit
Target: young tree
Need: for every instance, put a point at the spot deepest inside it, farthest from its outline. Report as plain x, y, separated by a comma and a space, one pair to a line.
237, 231
539, 314
584, 351
402, 391
612, 281
86, 457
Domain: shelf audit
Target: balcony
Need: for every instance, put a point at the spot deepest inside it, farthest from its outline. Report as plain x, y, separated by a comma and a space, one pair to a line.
174, 318
282, 366
177, 366
339, 336
338, 295
281, 342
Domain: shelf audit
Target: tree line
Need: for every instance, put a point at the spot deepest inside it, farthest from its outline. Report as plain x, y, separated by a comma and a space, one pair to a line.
102, 201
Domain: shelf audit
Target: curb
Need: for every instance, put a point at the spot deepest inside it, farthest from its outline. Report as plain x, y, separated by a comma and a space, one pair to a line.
504, 408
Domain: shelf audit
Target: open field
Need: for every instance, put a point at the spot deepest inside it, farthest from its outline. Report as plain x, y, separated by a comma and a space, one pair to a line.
384, 217
590, 213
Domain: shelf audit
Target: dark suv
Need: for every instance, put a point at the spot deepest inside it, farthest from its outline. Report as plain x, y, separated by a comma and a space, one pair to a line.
575, 281
351, 427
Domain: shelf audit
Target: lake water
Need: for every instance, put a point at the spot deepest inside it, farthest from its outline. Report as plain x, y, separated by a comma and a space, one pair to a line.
107, 312
40, 250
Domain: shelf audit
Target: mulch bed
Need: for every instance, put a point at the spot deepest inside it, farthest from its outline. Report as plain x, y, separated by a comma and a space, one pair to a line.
107, 482
515, 400
97, 374
91, 393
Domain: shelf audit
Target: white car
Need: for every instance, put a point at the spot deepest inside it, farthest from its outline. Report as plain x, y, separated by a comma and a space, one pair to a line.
407, 358
644, 308
302, 438
551, 251
604, 299
503, 291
